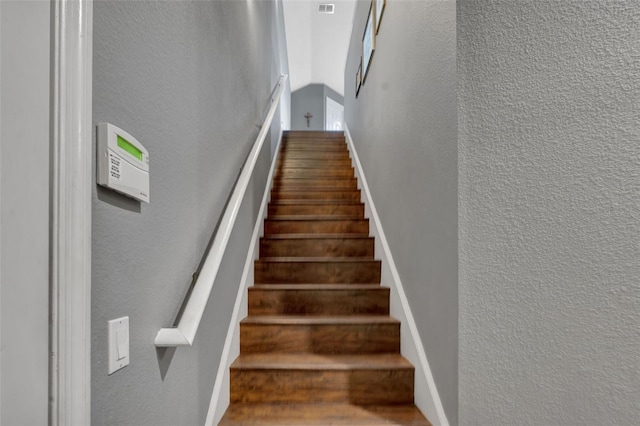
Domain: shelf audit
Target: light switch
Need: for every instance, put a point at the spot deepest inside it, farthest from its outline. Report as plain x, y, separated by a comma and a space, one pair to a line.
118, 344
122, 344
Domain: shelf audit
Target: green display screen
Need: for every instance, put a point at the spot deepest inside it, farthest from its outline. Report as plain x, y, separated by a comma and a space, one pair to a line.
127, 146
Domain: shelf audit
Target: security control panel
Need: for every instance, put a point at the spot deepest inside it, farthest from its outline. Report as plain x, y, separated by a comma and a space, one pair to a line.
123, 163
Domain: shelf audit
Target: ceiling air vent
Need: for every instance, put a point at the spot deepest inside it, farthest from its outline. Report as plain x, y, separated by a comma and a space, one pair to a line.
326, 8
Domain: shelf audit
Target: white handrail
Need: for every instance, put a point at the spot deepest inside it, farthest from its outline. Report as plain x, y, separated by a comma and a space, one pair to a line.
185, 333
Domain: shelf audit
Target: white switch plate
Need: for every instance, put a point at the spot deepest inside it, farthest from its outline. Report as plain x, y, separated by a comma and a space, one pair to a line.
118, 344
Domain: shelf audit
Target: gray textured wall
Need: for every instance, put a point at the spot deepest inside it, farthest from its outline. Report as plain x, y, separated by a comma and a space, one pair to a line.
549, 158
24, 211
190, 80
308, 99
404, 128
313, 99
330, 93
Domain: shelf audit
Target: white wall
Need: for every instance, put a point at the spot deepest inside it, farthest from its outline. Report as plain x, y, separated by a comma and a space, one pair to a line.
549, 237
297, 17
24, 211
404, 127
330, 38
191, 80
318, 43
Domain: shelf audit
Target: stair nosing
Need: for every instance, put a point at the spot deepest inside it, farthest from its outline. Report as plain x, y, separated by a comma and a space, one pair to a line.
328, 199
340, 178
301, 201
314, 142
317, 287
319, 320
329, 236
316, 217
328, 413
303, 285
280, 178
307, 361
330, 190
345, 160
314, 202
342, 236
305, 189
317, 259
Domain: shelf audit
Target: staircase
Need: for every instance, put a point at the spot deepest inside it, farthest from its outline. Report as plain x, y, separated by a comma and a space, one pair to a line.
319, 346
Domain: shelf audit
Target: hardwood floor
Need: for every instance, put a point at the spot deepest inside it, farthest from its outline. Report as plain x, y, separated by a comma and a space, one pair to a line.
318, 346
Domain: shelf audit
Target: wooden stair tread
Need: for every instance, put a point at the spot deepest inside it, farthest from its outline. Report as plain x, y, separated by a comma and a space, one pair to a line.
299, 187
312, 178
327, 134
317, 217
314, 236
316, 173
323, 414
319, 221
331, 147
316, 320
318, 270
316, 188
351, 334
307, 136
281, 180
317, 260
305, 285
356, 225
309, 361
322, 167
312, 202
312, 141
331, 198
336, 246
314, 300
314, 165
301, 181
316, 287
333, 191
315, 144
314, 155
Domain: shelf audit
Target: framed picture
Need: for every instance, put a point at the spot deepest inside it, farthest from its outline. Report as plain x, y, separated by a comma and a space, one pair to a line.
368, 42
380, 5
359, 77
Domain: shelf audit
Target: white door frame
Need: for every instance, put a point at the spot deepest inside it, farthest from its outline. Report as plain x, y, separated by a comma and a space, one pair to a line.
328, 106
71, 185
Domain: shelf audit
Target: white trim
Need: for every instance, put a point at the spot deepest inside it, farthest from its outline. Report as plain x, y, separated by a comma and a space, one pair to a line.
220, 397
426, 393
0, 229
71, 180
197, 303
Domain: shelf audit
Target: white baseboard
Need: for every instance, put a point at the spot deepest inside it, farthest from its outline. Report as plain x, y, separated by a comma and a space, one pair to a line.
220, 397
427, 398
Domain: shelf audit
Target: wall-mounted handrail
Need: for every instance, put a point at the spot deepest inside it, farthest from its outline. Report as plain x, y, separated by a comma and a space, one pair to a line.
185, 333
